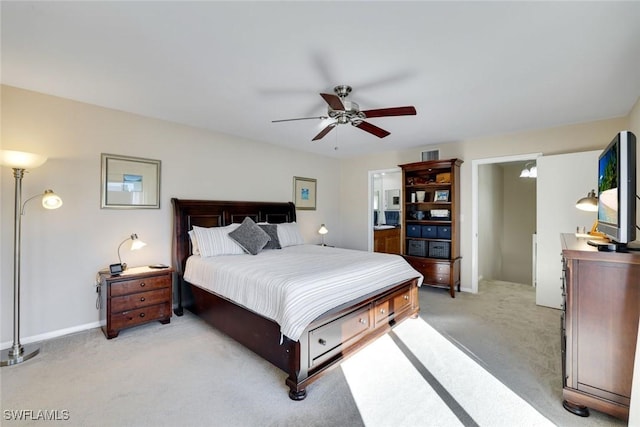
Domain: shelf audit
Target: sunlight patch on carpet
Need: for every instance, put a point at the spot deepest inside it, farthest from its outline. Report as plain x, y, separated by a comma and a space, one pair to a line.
483, 397
389, 391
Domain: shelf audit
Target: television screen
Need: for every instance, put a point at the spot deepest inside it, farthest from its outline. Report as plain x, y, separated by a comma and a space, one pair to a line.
608, 186
617, 189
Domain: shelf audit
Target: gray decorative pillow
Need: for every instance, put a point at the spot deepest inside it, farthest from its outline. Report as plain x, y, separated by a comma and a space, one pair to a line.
272, 231
250, 237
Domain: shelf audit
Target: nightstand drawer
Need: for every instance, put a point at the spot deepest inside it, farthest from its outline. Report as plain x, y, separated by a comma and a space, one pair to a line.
137, 296
140, 285
140, 299
141, 315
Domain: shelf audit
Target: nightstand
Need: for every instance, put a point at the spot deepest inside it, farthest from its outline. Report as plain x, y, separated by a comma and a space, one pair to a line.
136, 296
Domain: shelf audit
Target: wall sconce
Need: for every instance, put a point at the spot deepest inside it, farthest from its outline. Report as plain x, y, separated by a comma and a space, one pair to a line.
136, 244
21, 161
529, 171
322, 231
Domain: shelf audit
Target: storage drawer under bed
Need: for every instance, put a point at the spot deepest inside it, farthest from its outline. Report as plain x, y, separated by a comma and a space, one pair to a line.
329, 339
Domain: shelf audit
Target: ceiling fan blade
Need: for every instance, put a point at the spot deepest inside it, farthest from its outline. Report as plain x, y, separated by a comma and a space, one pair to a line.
301, 118
374, 130
334, 101
388, 112
324, 132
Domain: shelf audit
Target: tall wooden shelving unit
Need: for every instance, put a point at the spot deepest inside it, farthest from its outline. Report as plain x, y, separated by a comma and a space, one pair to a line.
430, 228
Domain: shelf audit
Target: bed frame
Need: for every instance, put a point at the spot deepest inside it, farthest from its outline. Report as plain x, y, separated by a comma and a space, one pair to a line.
329, 339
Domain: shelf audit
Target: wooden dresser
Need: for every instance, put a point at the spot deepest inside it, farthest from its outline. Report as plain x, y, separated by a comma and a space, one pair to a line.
138, 295
599, 327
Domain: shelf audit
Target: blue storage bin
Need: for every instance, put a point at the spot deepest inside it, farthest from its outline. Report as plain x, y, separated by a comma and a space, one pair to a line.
444, 232
413, 231
429, 231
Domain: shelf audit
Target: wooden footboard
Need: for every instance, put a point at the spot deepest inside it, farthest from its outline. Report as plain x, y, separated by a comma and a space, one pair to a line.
326, 342
336, 335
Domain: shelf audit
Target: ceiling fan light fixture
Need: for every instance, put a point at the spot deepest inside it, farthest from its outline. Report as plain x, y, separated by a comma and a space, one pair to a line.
343, 112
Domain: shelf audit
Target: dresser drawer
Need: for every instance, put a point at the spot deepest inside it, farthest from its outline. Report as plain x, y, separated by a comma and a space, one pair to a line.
433, 272
325, 341
387, 309
140, 299
438, 276
139, 285
139, 316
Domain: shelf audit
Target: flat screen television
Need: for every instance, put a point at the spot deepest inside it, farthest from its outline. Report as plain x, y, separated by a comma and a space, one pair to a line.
617, 189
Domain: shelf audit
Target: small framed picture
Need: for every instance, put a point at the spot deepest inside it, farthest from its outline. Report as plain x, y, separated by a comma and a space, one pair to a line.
304, 193
129, 182
441, 196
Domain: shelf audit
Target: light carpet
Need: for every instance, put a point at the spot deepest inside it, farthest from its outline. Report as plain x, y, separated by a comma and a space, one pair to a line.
446, 388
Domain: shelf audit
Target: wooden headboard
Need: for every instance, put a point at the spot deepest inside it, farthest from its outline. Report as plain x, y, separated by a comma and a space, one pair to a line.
216, 213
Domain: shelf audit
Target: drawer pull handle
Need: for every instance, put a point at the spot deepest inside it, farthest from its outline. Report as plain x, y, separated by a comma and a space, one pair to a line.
142, 298
382, 311
322, 342
361, 320
406, 297
141, 314
142, 284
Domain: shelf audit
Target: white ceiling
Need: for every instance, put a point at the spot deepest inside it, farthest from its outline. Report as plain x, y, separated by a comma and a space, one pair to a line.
471, 69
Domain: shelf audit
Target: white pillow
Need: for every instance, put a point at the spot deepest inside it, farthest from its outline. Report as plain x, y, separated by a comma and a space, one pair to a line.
215, 241
194, 243
289, 234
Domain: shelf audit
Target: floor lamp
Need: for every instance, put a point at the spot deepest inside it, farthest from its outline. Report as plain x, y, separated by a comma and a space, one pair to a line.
20, 161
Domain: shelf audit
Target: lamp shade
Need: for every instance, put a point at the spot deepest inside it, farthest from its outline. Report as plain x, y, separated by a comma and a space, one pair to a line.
323, 229
51, 200
589, 203
136, 243
21, 159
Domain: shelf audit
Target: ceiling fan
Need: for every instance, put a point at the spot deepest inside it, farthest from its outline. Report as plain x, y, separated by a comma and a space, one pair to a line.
344, 111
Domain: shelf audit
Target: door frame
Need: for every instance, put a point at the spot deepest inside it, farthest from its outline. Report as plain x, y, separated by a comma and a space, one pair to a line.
475, 164
370, 203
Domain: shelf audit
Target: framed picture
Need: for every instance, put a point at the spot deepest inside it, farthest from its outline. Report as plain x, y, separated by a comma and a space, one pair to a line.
129, 182
441, 196
304, 193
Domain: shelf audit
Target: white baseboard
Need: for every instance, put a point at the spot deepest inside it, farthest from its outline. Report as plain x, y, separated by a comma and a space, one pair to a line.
52, 334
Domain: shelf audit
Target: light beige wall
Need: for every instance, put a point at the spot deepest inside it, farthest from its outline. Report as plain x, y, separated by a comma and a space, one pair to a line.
519, 213
63, 249
563, 139
490, 201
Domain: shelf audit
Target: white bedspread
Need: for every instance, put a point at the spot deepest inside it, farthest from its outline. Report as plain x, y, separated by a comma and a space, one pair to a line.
296, 284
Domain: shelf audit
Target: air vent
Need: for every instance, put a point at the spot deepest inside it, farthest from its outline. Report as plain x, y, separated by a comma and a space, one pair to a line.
430, 155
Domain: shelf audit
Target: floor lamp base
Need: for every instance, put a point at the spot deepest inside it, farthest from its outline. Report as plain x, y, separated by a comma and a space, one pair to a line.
28, 352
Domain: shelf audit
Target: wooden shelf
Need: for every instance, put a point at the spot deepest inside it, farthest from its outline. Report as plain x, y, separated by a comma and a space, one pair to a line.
437, 258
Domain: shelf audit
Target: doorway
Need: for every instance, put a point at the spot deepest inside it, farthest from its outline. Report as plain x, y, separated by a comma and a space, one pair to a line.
483, 206
385, 195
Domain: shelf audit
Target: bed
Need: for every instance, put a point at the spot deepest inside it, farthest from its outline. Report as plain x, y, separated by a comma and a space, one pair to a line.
319, 344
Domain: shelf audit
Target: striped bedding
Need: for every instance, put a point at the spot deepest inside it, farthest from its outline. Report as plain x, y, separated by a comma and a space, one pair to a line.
294, 285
